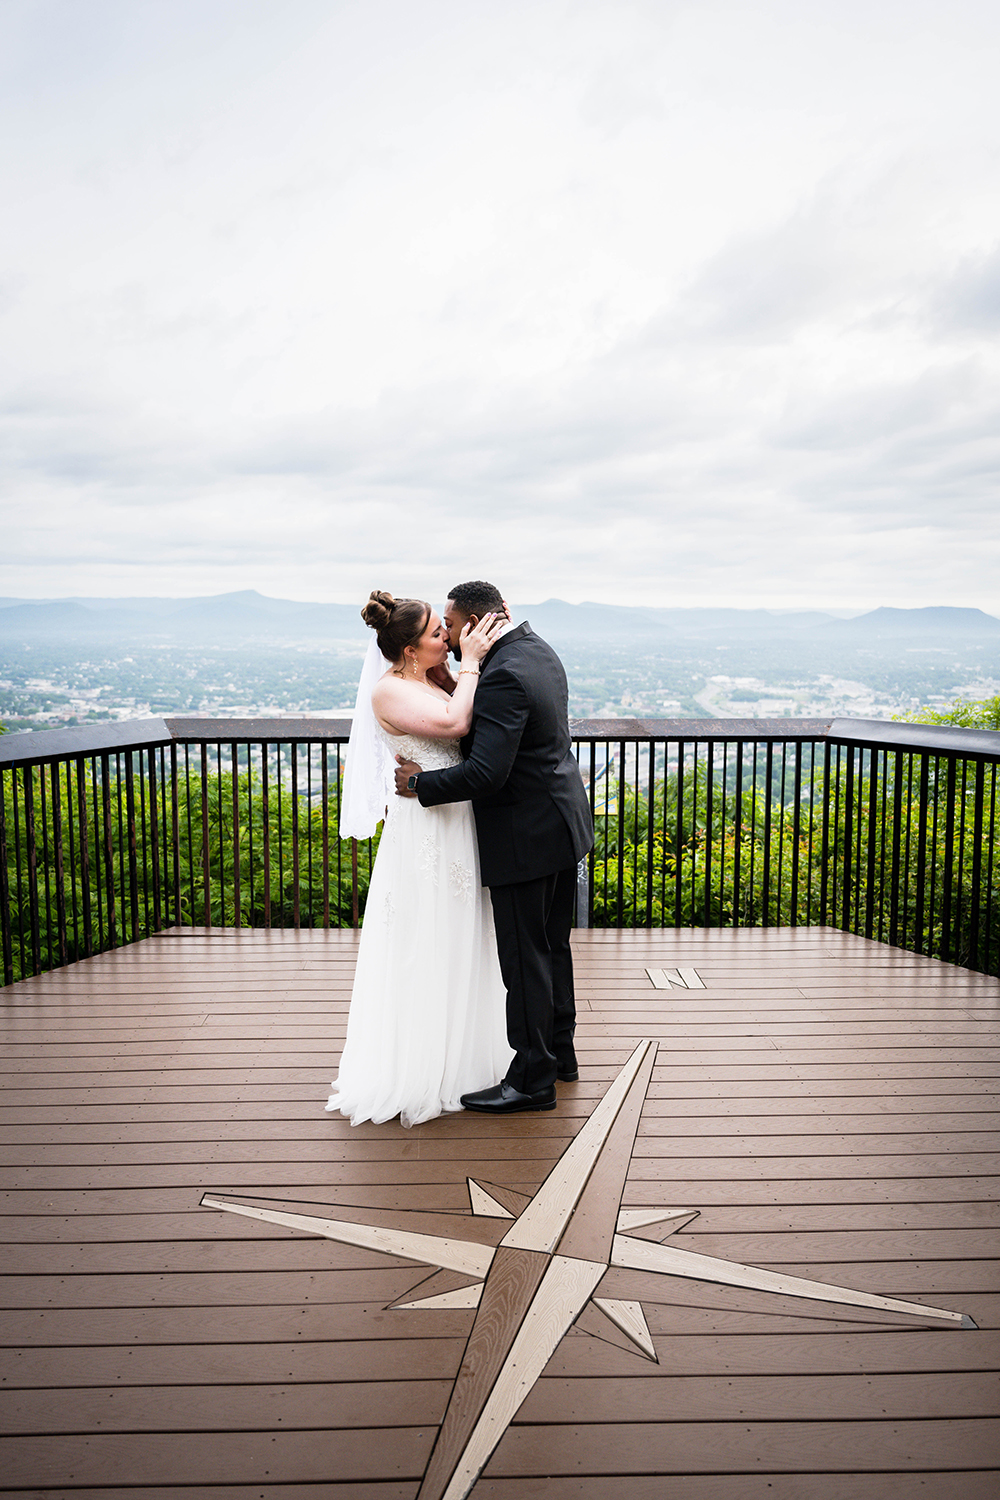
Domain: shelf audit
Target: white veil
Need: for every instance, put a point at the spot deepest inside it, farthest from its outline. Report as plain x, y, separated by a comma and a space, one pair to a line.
368, 776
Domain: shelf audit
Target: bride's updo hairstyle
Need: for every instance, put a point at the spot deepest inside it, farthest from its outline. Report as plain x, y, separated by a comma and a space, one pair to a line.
398, 623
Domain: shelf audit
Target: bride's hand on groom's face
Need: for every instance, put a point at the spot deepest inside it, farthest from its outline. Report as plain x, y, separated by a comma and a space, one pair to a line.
404, 770
476, 640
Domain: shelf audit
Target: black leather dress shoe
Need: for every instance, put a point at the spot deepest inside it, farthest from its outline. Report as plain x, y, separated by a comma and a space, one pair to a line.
569, 1073
502, 1099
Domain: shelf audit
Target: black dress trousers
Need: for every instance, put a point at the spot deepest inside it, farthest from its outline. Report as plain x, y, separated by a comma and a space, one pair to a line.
533, 920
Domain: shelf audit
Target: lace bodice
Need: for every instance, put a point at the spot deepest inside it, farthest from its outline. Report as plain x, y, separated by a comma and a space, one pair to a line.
430, 755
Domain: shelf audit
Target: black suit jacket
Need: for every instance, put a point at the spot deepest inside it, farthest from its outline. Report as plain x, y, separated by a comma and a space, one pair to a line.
531, 809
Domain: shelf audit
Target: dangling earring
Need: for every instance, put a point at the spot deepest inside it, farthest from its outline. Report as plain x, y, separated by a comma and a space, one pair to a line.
414, 667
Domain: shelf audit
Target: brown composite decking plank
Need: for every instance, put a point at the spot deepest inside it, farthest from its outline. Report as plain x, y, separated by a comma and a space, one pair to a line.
696, 1192
944, 1220
699, 1313
235, 1176
951, 1486
670, 1447
332, 1403
598, 1449
659, 1138
208, 1037
660, 1118
730, 1067
348, 1489
301, 1252
327, 1404
86, 1108
858, 1353
220, 1457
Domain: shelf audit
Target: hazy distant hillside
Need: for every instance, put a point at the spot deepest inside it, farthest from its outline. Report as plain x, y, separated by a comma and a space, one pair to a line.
248, 616
70, 660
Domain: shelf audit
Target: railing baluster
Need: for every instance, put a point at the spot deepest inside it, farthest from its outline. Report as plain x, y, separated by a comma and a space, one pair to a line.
793, 915
897, 834
651, 827
175, 832
6, 928
71, 832
847, 892
922, 796
709, 829
765, 895
110, 894
872, 850
279, 761
355, 903
296, 906
935, 902
154, 841
60, 870
220, 816
992, 963
620, 840
975, 893
122, 863
309, 836
265, 796
144, 827
738, 837
133, 871
250, 865
31, 860
206, 885
237, 851
325, 793
16, 800
45, 873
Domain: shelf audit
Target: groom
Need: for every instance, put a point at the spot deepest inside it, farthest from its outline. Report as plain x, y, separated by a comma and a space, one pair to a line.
534, 826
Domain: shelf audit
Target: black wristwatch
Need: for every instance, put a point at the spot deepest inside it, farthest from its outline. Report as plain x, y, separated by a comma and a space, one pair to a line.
411, 782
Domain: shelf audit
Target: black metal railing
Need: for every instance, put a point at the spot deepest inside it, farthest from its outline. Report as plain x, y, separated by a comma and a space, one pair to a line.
112, 832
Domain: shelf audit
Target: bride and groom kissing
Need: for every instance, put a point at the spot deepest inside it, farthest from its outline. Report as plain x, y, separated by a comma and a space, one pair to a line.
463, 990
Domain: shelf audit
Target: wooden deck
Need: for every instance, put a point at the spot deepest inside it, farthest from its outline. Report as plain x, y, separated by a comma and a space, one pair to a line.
828, 1106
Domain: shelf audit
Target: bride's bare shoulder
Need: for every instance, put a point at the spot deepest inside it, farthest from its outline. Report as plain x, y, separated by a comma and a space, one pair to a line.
385, 690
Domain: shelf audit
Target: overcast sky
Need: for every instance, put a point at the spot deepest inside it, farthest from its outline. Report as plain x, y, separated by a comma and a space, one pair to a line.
625, 300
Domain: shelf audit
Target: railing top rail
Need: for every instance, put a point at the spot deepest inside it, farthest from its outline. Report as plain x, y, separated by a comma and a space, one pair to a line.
945, 739
36, 746
703, 730
33, 748
269, 731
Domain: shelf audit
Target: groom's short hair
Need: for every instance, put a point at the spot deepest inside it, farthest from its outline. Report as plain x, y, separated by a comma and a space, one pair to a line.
476, 598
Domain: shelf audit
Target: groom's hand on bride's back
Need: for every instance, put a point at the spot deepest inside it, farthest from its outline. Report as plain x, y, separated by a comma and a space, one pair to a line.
404, 770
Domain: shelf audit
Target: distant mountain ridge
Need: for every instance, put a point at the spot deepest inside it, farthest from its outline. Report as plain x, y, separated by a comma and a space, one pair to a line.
246, 616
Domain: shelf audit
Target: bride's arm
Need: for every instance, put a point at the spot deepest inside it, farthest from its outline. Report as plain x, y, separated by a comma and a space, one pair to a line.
405, 708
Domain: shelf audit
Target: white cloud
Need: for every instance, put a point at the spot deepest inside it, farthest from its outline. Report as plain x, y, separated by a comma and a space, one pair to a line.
649, 302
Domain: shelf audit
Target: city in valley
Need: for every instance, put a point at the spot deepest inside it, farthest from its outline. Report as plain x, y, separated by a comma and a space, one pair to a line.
242, 655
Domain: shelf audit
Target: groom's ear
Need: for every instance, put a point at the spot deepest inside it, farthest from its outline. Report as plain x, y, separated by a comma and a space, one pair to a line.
473, 621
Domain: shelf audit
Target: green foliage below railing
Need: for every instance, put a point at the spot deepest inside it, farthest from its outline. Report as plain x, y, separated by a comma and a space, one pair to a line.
269, 891
720, 860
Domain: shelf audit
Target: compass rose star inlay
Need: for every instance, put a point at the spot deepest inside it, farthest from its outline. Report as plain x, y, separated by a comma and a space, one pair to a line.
530, 1286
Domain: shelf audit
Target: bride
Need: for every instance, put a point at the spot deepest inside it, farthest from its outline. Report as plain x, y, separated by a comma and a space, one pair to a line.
427, 1021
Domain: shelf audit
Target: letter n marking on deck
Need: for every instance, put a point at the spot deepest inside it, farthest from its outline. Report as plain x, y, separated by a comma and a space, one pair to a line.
682, 979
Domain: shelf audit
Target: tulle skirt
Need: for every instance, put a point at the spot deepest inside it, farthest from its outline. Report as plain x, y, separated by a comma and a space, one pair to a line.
427, 1021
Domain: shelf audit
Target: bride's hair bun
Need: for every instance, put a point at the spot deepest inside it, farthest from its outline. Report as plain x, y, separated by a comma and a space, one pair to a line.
398, 623
378, 611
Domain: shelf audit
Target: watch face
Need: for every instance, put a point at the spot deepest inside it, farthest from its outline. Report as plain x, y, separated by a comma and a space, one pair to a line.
411, 785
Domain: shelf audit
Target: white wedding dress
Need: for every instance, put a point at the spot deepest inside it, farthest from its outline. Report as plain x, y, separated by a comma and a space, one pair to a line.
428, 1010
